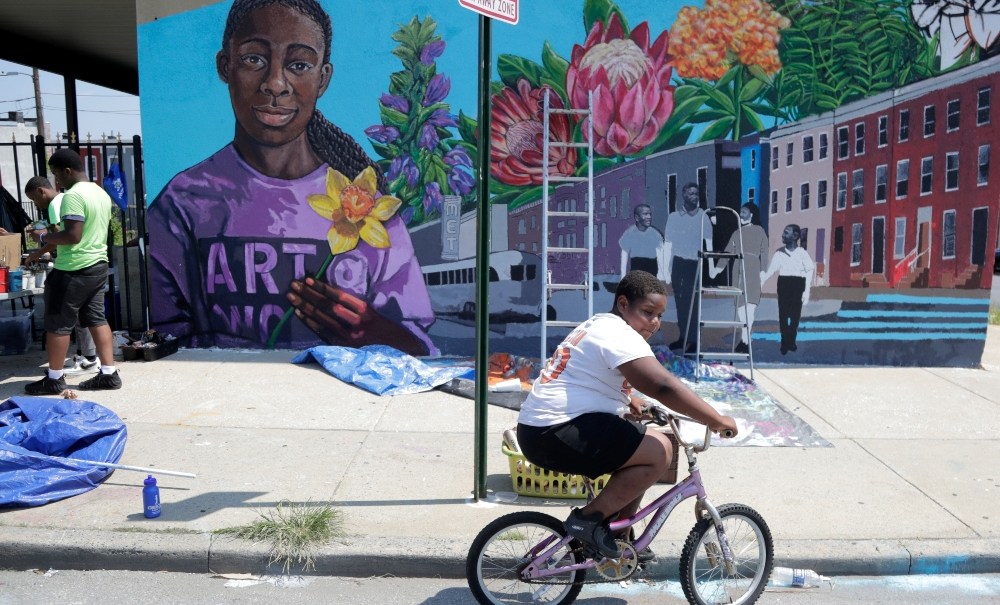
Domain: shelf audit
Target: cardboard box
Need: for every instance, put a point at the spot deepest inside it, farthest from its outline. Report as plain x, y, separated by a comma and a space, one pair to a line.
10, 250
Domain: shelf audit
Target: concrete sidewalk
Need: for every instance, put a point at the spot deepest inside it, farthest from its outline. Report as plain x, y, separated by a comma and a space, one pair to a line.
909, 486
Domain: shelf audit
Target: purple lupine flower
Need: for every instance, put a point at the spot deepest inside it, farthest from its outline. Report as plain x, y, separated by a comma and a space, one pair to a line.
437, 89
432, 197
395, 102
382, 134
460, 181
441, 117
458, 157
431, 51
429, 137
406, 215
404, 165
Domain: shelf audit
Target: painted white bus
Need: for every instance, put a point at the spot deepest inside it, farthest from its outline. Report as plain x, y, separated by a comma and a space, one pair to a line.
515, 286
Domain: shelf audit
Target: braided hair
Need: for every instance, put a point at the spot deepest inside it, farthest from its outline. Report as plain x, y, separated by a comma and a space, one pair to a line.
329, 142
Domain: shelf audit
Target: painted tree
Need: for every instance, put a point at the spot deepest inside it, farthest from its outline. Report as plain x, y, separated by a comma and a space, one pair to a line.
838, 51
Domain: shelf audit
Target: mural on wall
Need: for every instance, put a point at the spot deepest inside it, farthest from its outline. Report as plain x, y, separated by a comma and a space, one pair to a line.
850, 138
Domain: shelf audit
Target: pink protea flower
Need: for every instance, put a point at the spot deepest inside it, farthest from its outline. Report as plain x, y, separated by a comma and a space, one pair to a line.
631, 84
516, 136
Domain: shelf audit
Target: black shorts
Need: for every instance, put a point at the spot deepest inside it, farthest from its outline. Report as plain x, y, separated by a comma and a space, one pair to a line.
591, 445
75, 297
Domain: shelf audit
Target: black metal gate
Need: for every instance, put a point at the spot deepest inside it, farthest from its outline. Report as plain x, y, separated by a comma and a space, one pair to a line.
127, 300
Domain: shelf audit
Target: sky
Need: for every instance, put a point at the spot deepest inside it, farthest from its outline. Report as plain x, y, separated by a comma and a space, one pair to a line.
100, 110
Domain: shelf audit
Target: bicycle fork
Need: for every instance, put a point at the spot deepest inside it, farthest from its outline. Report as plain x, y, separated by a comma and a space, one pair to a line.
713, 550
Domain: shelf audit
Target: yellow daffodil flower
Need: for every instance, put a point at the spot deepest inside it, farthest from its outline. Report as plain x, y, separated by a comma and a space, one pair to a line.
354, 211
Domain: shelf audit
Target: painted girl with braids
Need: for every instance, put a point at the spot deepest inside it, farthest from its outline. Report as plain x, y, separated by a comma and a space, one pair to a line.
234, 240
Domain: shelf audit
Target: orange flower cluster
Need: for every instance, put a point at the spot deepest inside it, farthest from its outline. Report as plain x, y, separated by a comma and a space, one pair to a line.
706, 42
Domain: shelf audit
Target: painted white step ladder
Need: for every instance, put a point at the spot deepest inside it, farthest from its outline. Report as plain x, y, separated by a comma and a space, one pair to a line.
586, 281
731, 291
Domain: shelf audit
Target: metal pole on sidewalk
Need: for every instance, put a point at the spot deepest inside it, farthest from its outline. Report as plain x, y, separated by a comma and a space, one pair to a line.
482, 257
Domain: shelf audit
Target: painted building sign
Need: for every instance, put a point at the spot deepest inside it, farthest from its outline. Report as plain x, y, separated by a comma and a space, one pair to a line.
311, 177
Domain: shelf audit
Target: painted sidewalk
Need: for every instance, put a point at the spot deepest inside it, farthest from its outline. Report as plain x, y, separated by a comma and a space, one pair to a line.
909, 486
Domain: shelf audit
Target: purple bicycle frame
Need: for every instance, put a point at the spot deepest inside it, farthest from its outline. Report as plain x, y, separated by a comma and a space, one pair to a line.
662, 507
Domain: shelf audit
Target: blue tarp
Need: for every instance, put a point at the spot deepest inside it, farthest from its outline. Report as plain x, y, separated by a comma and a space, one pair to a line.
40, 437
381, 369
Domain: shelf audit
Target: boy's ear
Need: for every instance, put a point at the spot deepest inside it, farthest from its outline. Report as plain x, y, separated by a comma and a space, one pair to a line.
222, 65
620, 301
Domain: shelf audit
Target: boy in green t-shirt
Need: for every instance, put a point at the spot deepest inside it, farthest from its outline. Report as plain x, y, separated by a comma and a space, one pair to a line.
48, 201
74, 290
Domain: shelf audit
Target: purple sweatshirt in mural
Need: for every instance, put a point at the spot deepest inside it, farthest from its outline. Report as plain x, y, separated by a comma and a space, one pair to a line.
226, 241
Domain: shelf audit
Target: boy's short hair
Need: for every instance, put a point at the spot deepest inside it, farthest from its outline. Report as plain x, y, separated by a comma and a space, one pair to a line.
66, 158
37, 182
637, 284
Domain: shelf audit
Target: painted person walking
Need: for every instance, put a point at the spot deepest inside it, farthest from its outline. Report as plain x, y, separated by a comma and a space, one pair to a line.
795, 271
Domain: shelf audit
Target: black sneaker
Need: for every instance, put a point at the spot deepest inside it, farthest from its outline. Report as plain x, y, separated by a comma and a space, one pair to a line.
102, 382
46, 386
592, 531
742, 347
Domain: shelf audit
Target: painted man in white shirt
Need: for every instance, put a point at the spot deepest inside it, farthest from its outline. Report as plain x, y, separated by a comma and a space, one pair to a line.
795, 271
688, 234
641, 243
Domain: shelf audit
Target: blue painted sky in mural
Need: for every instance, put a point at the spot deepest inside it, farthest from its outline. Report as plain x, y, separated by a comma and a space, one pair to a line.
185, 107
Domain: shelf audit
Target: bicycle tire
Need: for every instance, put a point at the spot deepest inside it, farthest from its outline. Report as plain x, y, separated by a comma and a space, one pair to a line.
703, 575
500, 551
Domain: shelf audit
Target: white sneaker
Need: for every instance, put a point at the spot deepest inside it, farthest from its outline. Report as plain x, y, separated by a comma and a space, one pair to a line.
72, 366
78, 364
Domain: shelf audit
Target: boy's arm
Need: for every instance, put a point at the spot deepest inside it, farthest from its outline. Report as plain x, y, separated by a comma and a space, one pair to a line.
648, 376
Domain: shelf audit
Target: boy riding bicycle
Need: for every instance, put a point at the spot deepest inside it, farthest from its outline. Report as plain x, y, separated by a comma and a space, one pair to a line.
572, 421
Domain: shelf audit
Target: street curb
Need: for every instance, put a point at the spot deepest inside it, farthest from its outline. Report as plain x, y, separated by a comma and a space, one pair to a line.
417, 557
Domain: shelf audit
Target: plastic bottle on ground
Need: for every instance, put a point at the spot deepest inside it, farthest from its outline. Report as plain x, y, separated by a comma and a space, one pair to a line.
150, 498
786, 577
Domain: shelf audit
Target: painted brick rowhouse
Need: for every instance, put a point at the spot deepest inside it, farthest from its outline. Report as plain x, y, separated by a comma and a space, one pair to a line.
916, 203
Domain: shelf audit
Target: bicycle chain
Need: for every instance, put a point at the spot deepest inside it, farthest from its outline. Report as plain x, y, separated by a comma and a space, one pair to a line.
588, 555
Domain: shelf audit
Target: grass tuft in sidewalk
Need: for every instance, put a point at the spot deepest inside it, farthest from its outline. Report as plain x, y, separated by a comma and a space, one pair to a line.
293, 532
994, 315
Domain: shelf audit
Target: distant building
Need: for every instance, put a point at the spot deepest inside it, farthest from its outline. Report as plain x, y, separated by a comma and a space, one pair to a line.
916, 203
801, 177
755, 172
16, 159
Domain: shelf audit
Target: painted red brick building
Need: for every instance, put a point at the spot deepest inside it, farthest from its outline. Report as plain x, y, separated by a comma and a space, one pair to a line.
916, 201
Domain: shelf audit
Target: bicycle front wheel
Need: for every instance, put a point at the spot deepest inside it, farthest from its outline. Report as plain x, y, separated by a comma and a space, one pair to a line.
504, 547
704, 577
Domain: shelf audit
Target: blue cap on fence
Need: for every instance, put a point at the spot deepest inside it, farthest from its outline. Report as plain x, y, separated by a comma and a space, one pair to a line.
116, 185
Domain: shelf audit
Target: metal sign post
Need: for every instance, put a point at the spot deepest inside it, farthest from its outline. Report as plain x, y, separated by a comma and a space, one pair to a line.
483, 257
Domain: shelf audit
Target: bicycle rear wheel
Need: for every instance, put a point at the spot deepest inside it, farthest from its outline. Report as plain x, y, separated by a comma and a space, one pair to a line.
505, 546
703, 573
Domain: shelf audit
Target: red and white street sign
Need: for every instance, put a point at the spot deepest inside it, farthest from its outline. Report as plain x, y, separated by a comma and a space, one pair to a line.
501, 10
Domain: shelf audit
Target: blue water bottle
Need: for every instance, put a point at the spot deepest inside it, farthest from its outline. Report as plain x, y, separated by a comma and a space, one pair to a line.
150, 498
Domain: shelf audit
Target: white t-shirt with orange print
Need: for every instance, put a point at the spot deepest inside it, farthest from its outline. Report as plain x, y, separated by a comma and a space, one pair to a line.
582, 375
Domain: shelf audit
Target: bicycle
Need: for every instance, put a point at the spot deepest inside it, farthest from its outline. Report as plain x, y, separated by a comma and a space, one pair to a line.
527, 557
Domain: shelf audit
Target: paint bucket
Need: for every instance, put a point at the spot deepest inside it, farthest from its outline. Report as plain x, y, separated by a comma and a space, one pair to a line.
14, 280
3, 279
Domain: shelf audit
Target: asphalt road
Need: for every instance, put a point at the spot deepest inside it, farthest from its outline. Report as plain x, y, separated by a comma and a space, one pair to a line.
100, 587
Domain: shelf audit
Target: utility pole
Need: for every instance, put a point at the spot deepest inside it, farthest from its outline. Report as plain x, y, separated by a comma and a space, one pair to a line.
38, 102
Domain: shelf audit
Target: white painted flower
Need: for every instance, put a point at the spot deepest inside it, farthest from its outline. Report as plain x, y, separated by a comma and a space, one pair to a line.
959, 24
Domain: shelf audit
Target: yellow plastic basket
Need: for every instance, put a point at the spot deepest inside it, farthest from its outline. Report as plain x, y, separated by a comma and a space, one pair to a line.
532, 480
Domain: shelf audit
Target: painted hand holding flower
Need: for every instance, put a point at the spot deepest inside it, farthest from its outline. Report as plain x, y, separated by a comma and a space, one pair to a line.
356, 213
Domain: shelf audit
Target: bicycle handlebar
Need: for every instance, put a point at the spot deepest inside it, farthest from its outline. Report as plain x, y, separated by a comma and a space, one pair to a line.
664, 417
